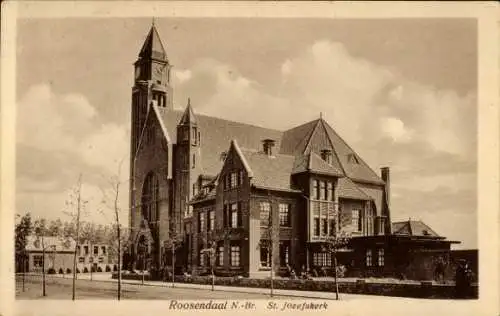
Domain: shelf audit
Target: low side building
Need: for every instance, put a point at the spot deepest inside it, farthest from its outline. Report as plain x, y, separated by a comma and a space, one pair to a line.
59, 253
93, 255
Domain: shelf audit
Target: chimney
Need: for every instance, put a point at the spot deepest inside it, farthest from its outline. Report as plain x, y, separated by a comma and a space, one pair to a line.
386, 200
268, 145
326, 155
386, 177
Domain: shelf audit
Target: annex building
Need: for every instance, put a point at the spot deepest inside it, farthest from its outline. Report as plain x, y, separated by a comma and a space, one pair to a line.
254, 195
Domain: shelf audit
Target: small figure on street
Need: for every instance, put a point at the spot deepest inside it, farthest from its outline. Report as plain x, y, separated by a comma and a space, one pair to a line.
439, 270
463, 279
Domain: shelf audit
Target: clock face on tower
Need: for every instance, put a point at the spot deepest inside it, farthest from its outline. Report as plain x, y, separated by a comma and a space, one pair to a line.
158, 72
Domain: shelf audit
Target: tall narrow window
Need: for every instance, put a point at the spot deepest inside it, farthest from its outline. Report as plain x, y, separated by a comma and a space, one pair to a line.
234, 215
234, 180
323, 190
265, 256
193, 135
284, 252
356, 220
330, 191
284, 214
194, 161
316, 226
381, 259
149, 199
220, 257
224, 216
325, 226
315, 190
265, 211
241, 177
201, 222
211, 222
368, 257
202, 258
235, 255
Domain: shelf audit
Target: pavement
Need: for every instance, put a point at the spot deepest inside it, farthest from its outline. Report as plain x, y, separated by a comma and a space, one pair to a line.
106, 277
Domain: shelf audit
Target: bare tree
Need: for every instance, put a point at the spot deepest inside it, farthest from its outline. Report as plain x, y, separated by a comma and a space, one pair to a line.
210, 251
75, 206
337, 240
41, 231
111, 202
173, 242
268, 243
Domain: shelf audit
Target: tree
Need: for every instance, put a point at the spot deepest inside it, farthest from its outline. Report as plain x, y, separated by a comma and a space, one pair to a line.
267, 243
210, 251
41, 230
173, 242
23, 229
76, 206
111, 202
55, 228
336, 241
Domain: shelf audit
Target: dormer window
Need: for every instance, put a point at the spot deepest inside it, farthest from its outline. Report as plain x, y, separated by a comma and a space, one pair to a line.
351, 158
326, 155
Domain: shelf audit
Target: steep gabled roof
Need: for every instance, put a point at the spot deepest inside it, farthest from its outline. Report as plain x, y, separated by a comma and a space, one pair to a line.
311, 162
349, 190
318, 135
413, 228
270, 172
153, 47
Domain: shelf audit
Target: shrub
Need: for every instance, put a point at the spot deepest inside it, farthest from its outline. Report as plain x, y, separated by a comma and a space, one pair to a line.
61, 271
51, 271
99, 269
92, 269
77, 270
115, 268
68, 270
108, 269
85, 270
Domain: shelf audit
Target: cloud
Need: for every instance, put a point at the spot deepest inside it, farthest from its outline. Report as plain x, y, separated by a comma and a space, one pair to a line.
182, 75
60, 136
395, 129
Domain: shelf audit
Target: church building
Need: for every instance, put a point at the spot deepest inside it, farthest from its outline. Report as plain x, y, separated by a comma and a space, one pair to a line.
257, 197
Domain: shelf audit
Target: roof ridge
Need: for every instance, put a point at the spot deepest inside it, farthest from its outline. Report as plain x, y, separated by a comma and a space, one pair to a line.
228, 120
308, 143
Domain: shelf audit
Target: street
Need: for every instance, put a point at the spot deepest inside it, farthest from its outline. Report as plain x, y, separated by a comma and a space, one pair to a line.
61, 288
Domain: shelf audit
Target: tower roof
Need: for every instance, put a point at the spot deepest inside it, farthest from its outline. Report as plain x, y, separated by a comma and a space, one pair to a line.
153, 47
318, 135
188, 117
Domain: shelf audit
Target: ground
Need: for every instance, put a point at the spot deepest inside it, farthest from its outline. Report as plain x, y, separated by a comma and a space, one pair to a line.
61, 288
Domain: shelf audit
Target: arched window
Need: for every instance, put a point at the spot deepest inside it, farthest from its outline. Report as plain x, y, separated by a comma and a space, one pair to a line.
150, 197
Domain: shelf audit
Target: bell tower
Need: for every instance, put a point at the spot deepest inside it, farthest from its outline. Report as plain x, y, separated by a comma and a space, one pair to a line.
151, 86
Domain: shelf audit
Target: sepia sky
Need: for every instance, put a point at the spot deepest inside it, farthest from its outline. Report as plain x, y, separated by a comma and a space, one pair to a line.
401, 92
